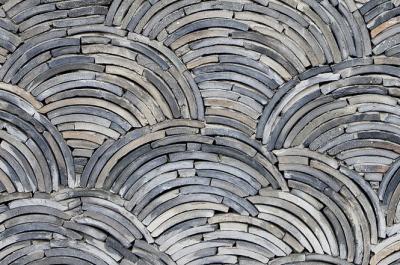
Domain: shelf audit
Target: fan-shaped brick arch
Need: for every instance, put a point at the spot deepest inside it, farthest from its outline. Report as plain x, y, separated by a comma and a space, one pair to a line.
183, 132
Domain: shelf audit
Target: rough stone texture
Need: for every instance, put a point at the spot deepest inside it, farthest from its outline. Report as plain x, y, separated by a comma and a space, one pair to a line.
181, 132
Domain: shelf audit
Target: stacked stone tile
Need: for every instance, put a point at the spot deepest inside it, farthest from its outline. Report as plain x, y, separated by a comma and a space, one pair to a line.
199, 132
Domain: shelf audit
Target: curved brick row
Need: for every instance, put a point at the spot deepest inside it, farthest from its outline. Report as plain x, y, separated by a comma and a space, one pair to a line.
191, 132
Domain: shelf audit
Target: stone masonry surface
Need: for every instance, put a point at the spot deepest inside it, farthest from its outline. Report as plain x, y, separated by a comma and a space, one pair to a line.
184, 132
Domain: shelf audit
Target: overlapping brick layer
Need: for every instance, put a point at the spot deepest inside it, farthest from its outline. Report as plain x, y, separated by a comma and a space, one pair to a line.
199, 132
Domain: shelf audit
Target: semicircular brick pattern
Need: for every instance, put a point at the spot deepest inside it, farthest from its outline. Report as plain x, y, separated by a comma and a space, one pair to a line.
183, 132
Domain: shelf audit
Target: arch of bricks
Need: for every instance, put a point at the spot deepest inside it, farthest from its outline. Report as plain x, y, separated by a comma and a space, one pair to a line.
185, 132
